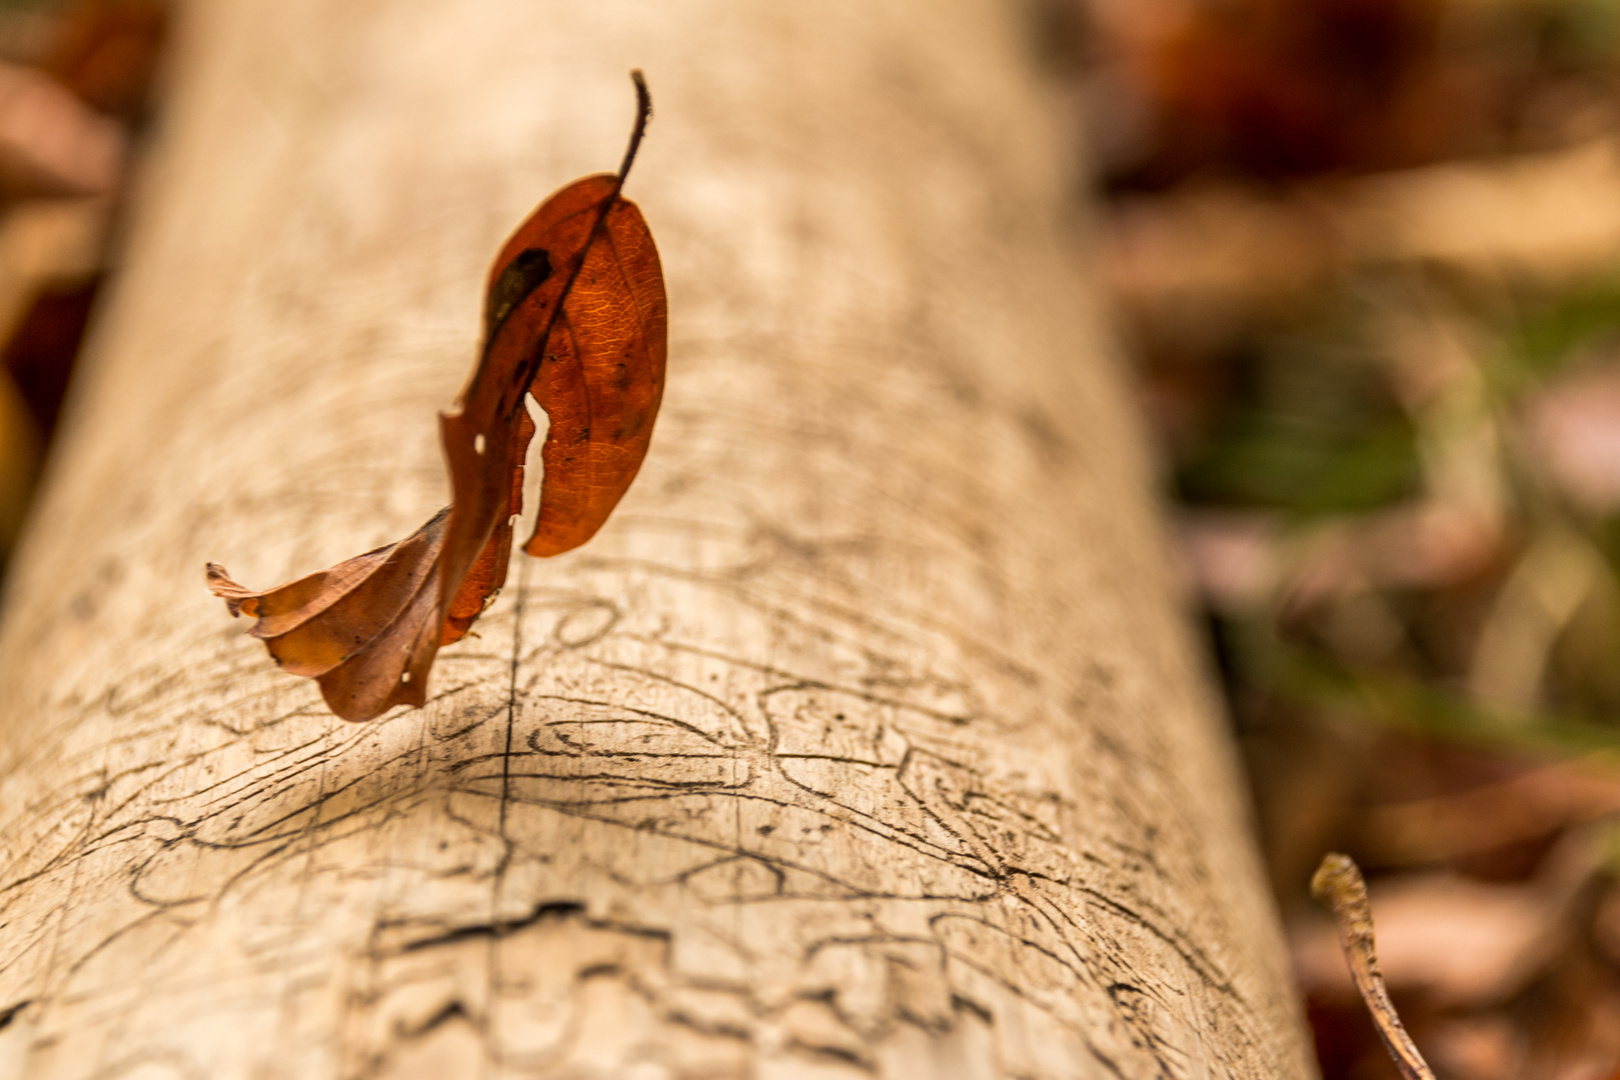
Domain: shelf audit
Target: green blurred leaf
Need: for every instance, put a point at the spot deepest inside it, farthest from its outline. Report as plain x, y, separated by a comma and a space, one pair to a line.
1560, 329
1296, 464
1408, 704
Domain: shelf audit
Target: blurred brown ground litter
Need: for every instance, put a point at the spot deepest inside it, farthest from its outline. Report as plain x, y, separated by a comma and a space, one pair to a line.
1367, 256
76, 85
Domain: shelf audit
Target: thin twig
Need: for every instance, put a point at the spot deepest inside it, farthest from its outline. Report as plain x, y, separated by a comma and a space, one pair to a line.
1337, 883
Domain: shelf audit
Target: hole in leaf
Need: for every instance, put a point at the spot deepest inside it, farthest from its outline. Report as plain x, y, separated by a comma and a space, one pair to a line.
534, 468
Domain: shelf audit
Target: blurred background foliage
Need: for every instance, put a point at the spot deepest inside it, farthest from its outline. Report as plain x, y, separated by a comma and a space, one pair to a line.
1366, 257
76, 83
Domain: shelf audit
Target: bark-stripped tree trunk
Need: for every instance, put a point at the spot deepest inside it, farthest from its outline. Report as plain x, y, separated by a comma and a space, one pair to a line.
866, 739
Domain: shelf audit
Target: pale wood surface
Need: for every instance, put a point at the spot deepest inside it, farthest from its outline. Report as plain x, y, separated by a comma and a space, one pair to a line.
867, 739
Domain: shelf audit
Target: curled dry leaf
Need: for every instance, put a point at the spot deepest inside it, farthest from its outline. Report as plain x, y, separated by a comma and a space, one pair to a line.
574, 315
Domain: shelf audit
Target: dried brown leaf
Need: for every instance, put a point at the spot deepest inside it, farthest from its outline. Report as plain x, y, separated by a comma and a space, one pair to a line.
575, 315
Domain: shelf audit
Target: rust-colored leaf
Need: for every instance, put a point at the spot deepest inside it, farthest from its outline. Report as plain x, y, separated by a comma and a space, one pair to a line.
575, 315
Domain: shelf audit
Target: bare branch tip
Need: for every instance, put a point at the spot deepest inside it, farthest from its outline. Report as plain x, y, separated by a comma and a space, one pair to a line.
1339, 884
1338, 880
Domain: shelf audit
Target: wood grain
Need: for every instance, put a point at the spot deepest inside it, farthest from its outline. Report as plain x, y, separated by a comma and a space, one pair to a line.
868, 739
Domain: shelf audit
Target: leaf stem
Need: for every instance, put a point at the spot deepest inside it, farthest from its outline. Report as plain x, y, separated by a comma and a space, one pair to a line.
643, 114
1338, 883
